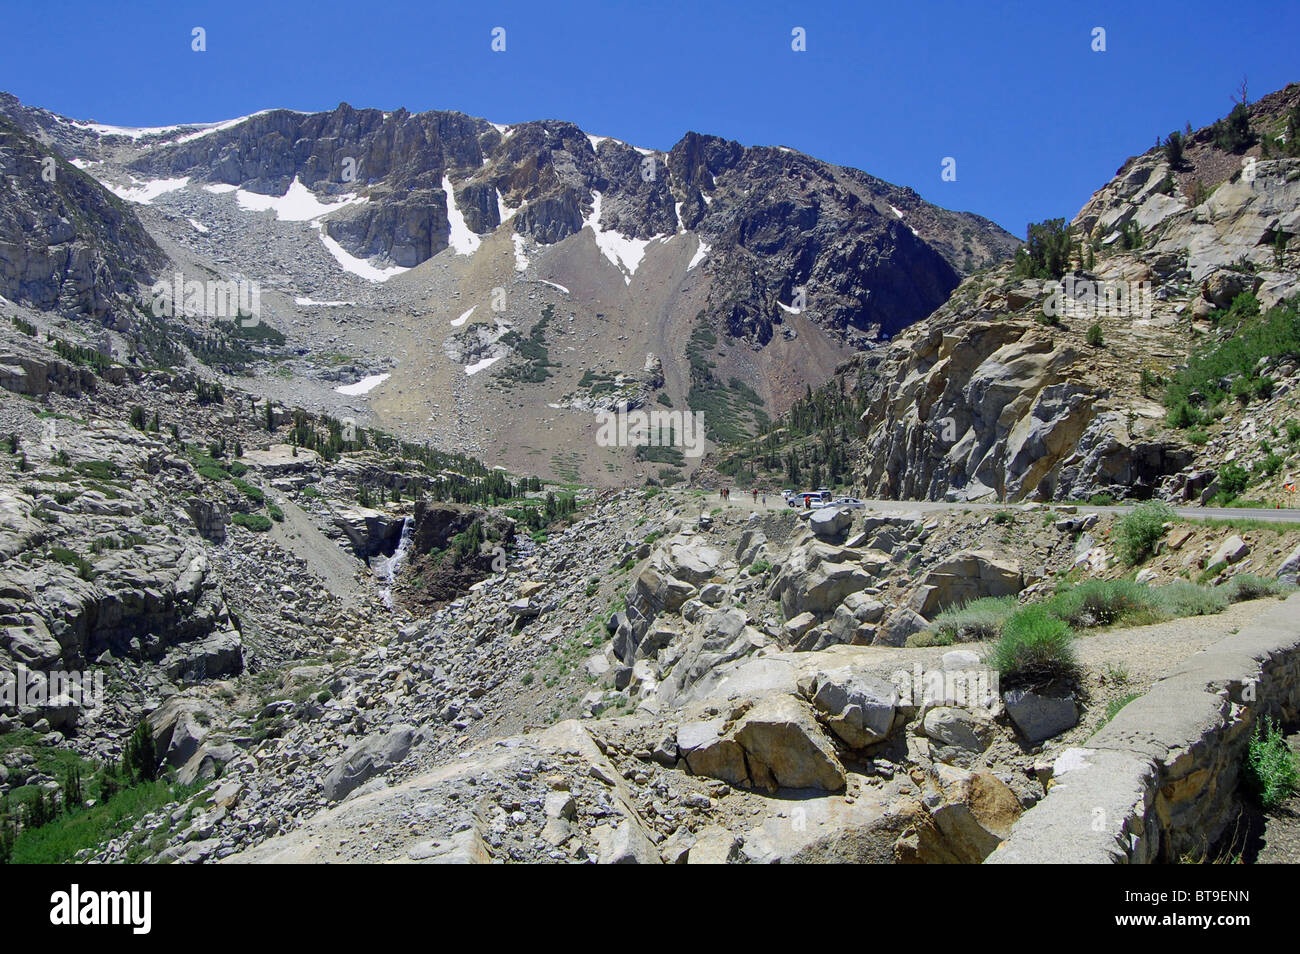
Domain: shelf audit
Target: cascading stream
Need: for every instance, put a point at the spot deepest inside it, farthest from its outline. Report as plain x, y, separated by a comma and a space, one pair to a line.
394, 564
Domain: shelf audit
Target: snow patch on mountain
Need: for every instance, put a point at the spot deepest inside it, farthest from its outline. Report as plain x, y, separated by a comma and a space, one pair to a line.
298, 204
357, 266
364, 386
143, 193
504, 212
626, 253
462, 240
700, 252
477, 366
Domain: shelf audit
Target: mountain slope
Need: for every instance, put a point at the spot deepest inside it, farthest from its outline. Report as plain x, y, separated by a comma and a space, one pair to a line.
1025, 387
428, 247
65, 242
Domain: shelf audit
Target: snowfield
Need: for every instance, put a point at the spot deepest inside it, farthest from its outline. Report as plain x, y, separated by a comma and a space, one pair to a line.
298, 204
358, 266
364, 386
626, 253
463, 241
143, 193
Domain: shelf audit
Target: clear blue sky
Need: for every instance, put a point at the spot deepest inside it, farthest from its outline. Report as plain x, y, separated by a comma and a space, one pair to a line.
1013, 91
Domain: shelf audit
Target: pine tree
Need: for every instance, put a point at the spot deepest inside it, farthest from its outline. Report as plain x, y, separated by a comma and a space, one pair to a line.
73, 796
141, 757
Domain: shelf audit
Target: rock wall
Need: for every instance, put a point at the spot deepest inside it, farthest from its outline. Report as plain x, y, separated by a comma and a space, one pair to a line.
1159, 782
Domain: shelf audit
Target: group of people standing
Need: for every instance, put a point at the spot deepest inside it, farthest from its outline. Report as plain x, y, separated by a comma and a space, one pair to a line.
724, 494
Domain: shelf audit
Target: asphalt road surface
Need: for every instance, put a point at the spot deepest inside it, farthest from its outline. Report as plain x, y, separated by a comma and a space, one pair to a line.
775, 501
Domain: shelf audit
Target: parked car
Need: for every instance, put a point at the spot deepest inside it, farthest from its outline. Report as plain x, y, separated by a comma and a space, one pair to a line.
852, 503
809, 499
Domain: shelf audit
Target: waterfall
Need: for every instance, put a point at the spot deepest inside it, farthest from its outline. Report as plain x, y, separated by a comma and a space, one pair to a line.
394, 563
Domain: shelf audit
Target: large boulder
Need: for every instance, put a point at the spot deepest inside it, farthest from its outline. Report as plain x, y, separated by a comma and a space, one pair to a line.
709, 751
785, 747
965, 576
1232, 550
371, 756
829, 523
27, 639
1289, 571
821, 589
899, 625
857, 707
628, 844
773, 743
179, 727
970, 814
1040, 716
693, 561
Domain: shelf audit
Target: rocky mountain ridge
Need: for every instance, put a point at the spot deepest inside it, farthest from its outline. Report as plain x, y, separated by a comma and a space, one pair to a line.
459, 231
1014, 391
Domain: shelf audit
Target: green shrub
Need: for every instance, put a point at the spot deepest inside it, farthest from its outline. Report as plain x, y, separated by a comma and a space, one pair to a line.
252, 521
1247, 586
1094, 335
248, 490
977, 620
1181, 598
1035, 648
276, 513
1236, 357
1046, 252
759, 567
1233, 132
1233, 480
1138, 530
1099, 602
1183, 415
75, 560
1271, 774
1174, 150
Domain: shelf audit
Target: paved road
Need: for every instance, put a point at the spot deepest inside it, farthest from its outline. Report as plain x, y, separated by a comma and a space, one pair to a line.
774, 502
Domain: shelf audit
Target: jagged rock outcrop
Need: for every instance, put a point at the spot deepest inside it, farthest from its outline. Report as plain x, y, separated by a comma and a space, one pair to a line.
66, 243
1016, 390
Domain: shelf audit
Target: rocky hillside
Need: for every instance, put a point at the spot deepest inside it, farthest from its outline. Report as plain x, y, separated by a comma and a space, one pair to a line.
66, 244
304, 632
429, 247
1025, 386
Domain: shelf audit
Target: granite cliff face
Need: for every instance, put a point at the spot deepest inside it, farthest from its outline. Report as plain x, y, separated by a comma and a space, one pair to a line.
745, 273
993, 398
872, 257
66, 243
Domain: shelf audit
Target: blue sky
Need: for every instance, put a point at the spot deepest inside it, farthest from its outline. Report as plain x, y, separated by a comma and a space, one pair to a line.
1013, 91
